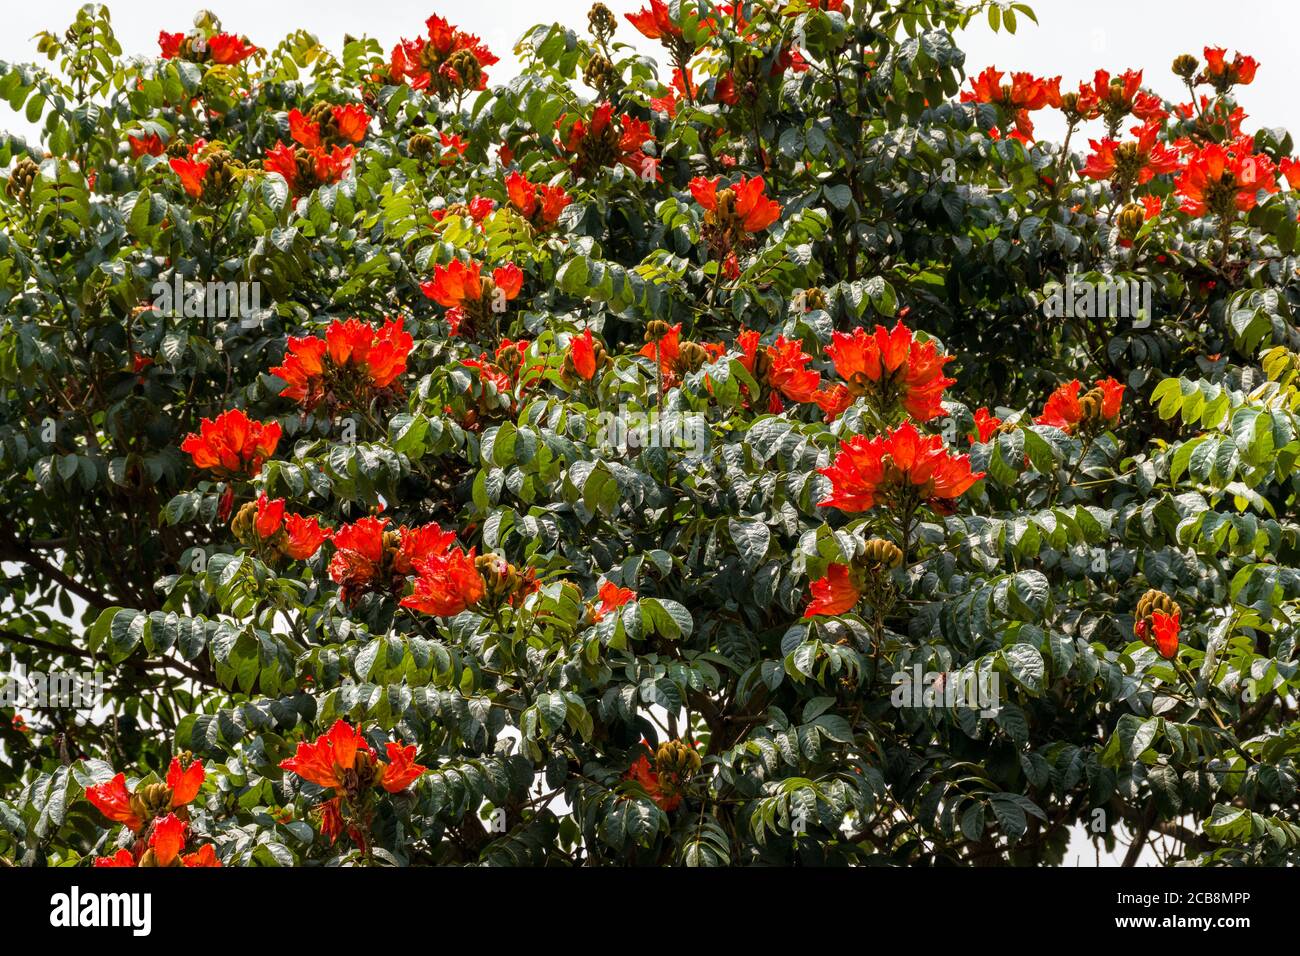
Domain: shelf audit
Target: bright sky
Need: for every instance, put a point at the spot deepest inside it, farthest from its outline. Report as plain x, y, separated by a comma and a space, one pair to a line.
1073, 39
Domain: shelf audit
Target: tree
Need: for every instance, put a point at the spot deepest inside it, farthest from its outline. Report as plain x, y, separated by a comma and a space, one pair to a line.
787, 458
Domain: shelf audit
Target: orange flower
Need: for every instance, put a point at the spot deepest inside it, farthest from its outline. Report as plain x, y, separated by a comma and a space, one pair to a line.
540, 204
1165, 628
833, 594
303, 130
228, 49
305, 536
331, 819
582, 350
834, 401
358, 556
654, 23
895, 469
191, 174
611, 597
281, 159
892, 368
205, 856
326, 760
985, 425
233, 444
170, 43
1131, 163
751, 208
352, 121
402, 770
1064, 410
167, 839
184, 782
353, 358
113, 800
421, 60
1223, 180
454, 284
270, 515
142, 145
1221, 74
603, 142
665, 350
447, 584
122, 857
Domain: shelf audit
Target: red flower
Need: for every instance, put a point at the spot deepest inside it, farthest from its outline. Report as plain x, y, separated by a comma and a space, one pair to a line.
447, 584
602, 142
167, 839
122, 857
282, 160
663, 792
782, 369
113, 800
305, 536
1291, 170
358, 556
270, 514
754, 211
184, 782
233, 444
417, 61
541, 205
352, 121
304, 131
1164, 636
1221, 74
331, 819
985, 425
205, 856
170, 43
582, 352
453, 143
903, 465
509, 279
330, 167
665, 351
892, 367
1064, 410
833, 400
402, 770
654, 22
1131, 163
833, 594
352, 355
1223, 180
454, 284
228, 49
611, 597
142, 145
191, 174
327, 760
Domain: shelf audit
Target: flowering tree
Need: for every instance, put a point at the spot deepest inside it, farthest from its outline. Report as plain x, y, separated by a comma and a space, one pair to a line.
639, 465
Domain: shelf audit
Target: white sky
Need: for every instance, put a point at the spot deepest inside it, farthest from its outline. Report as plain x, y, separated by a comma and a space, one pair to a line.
1074, 38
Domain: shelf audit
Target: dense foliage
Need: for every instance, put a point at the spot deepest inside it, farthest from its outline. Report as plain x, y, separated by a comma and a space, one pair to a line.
589, 454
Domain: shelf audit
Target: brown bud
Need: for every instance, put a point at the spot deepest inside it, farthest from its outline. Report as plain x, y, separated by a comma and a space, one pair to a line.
601, 21
656, 329
881, 553
420, 146
1130, 220
1185, 65
677, 757
692, 356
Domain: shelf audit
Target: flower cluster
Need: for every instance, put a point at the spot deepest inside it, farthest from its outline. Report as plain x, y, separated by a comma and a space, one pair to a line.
899, 470
445, 61
347, 367
473, 301
325, 139
232, 445
605, 141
